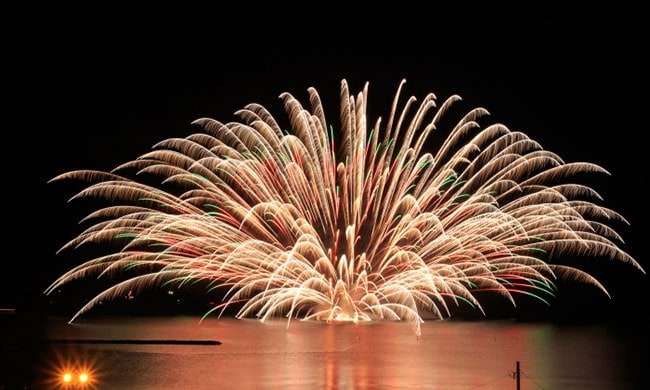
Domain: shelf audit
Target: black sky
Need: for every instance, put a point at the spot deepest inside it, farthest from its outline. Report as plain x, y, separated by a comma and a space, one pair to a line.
95, 86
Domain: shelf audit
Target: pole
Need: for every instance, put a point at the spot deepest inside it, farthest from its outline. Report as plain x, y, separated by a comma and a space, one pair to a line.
517, 376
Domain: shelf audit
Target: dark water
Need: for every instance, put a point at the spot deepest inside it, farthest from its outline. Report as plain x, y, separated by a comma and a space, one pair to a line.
270, 355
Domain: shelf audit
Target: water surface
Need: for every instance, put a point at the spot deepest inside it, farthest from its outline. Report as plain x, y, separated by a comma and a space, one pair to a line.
300, 355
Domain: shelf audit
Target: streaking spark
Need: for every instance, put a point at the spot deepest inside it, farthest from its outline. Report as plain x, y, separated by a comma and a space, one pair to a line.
383, 229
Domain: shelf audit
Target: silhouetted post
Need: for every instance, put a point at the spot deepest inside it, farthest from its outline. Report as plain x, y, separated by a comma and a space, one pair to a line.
517, 376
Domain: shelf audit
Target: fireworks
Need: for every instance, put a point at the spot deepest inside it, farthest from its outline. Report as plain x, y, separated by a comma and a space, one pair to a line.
283, 223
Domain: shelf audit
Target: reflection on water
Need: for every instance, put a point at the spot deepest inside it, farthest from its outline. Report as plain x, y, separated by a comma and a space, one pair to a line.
270, 355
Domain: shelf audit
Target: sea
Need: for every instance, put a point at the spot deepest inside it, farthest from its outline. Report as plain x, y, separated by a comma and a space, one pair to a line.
185, 352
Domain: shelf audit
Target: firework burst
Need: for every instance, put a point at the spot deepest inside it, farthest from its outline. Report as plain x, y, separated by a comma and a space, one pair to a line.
383, 229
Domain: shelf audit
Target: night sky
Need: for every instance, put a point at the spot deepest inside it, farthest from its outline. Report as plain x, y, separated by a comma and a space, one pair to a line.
93, 87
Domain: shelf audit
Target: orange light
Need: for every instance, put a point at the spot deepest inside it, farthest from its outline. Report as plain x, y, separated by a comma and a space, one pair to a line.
77, 378
73, 370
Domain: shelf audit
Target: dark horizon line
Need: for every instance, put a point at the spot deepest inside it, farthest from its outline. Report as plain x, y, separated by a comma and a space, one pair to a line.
133, 341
